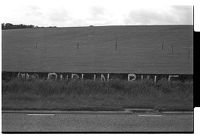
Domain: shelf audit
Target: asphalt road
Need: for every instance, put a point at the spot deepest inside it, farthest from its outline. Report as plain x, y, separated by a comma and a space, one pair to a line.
97, 122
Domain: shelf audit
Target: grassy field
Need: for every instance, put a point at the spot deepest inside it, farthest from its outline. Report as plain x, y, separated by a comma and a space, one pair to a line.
93, 49
96, 95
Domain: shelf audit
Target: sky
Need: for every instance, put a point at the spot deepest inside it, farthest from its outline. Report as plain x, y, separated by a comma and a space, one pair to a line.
66, 13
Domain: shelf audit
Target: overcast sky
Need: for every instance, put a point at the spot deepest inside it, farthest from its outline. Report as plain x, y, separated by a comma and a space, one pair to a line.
93, 12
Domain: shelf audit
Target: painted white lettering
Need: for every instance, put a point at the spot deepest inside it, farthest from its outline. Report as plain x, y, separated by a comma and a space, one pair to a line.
34, 76
131, 77
82, 76
61, 77
52, 76
27, 76
103, 77
18, 75
155, 79
75, 76
23, 75
108, 77
172, 76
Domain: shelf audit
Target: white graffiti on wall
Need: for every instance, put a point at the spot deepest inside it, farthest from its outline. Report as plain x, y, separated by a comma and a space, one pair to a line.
27, 76
52, 76
172, 76
132, 77
102, 77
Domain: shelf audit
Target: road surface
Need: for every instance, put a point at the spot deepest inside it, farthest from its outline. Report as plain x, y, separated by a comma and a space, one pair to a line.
96, 122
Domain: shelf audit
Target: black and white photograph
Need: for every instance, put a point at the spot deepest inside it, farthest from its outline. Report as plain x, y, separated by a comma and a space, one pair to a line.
96, 66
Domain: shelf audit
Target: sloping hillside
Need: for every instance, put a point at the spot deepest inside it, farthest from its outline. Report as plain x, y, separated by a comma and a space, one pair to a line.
123, 49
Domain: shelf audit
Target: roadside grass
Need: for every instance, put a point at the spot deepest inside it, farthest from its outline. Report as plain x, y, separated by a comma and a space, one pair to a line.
96, 95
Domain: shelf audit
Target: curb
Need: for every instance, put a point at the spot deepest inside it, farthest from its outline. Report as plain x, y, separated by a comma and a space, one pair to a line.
68, 112
125, 111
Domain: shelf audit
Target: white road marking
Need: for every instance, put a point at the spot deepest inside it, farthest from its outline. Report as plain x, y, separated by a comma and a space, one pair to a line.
40, 114
181, 112
150, 115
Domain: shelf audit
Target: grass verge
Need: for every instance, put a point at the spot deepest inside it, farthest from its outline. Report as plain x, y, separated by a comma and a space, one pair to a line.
96, 95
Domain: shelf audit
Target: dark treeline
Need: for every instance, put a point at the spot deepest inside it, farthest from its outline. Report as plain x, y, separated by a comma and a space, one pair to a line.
12, 26
5, 26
